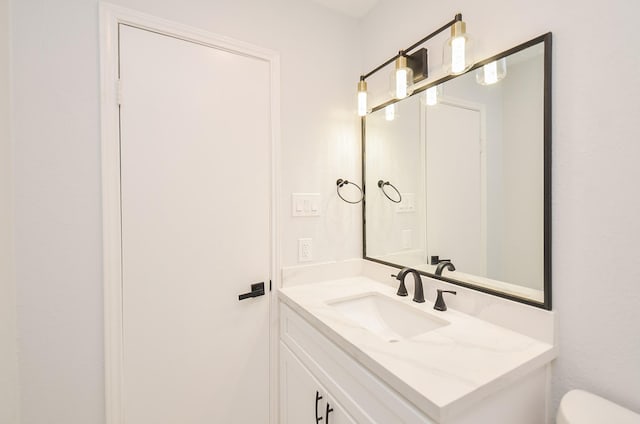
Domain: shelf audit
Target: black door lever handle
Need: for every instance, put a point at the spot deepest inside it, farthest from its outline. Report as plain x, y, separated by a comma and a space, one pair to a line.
257, 289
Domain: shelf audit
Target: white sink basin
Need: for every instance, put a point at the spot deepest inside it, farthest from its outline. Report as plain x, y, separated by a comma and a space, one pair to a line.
385, 317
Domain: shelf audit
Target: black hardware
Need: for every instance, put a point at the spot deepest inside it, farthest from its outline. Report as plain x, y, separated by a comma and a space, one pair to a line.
444, 264
341, 183
418, 294
547, 170
440, 305
419, 64
269, 285
402, 290
404, 52
329, 409
318, 397
257, 289
435, 260
382, 184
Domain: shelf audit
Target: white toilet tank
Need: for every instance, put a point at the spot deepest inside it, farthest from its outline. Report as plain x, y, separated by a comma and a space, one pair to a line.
580, 407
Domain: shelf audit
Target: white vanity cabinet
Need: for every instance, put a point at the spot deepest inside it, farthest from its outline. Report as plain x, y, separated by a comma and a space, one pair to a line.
303, 398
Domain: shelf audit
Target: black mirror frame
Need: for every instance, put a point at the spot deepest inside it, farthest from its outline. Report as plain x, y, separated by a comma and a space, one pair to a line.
546, 304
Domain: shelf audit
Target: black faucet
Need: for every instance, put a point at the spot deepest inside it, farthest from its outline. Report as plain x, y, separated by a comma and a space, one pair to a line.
442, 265
418, 294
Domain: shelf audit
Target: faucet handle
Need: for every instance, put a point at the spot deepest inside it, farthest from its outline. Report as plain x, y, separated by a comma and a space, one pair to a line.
440, 305
402, 289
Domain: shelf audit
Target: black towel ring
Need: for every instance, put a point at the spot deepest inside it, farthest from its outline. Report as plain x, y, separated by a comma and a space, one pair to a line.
340, 183
381, 184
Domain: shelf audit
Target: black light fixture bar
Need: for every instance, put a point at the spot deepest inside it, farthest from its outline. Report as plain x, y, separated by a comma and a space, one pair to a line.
404, 52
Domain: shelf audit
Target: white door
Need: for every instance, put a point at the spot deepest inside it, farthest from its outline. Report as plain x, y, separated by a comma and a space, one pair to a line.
456, 227
195, 193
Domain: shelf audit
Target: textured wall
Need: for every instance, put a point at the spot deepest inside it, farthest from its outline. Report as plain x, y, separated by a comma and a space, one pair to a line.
8, 342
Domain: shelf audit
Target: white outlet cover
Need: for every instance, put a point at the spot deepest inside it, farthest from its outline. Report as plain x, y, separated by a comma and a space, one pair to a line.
406, 239
305, 250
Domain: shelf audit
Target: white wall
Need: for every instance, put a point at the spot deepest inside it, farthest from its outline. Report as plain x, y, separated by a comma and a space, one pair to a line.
8, 342
57, 209
57, 170
595, 153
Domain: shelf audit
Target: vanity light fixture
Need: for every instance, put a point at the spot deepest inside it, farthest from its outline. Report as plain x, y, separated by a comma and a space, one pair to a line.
362, 97
411, 68
492, 72
402, 78
432, 94
456, 55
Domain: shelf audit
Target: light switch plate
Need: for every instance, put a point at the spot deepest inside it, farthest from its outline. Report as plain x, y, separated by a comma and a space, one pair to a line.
305, 204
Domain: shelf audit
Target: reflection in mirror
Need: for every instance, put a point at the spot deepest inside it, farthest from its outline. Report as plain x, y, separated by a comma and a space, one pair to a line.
470, 170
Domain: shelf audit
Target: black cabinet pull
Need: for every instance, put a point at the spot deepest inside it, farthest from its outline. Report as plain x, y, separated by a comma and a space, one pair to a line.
329, 409
257, 289
318, 397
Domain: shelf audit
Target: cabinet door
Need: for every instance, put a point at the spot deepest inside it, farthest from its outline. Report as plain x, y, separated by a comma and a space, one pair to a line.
302, 399
335, 413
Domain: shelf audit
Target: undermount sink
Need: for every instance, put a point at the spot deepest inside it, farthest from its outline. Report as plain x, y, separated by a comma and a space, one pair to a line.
385, 317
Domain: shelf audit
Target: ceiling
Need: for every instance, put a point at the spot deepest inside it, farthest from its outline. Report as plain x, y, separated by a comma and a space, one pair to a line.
354, 8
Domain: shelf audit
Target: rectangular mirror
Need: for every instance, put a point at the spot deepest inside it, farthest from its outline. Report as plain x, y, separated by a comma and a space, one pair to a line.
467, 179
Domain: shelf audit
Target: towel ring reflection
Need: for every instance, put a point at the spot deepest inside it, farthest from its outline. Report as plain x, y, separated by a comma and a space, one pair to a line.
341, 183
381, 184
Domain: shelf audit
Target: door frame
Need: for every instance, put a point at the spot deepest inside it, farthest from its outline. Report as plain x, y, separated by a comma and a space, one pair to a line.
111, 16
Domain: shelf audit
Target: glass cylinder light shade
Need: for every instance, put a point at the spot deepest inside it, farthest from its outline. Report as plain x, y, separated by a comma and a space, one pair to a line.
492, 72
432, 95
401, 79
390, 112
457, 56
362, 98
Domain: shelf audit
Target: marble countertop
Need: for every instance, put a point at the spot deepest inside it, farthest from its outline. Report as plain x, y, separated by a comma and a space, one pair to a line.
443, 371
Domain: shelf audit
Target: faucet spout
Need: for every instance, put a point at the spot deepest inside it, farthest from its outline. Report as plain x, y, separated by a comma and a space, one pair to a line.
442, 265
418, 293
